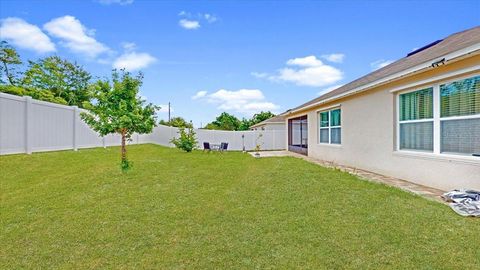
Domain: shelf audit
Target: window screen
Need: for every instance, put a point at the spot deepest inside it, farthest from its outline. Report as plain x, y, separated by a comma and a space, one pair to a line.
460, 98
461, 136
416, 136
416, 105
336, 135
324, 135
324, 119
329, 130
335, 118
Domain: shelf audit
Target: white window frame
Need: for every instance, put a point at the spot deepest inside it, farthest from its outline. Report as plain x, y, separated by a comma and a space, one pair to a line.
436, 118
399, 122
329, 128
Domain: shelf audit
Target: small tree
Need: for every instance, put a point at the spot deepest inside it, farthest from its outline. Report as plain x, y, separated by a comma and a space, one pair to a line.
258, 144
117, 108
187, 140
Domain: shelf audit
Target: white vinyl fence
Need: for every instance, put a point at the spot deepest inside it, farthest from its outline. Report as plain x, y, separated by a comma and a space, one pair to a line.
28, 125
237, 140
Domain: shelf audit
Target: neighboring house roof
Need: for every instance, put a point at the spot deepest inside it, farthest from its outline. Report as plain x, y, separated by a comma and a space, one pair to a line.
274, 120
468, 39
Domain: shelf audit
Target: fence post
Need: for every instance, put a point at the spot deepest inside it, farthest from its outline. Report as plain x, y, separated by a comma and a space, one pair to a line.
75, 112
28, 124
274, 134
104, 142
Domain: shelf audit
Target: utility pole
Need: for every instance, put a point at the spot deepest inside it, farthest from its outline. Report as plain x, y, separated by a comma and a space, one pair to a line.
169, 112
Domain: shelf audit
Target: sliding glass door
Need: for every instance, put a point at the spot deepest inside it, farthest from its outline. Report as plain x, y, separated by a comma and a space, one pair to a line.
298, 135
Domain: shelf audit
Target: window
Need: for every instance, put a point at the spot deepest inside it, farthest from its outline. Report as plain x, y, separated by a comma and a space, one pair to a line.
444, 118
416, 120
460, 116
329, 127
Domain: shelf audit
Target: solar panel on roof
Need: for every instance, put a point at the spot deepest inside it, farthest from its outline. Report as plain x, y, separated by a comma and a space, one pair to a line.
425, 47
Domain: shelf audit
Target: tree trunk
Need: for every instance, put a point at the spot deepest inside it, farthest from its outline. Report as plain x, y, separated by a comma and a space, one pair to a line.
9, 76
124, 150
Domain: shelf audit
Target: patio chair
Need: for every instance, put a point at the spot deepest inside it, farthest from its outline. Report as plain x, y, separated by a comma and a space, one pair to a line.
206, 147
223, 146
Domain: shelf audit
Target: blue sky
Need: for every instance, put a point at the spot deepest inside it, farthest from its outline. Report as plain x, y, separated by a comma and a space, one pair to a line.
206, 57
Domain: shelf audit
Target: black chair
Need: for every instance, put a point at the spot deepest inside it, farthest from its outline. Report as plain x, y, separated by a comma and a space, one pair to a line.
223, 146
206, 147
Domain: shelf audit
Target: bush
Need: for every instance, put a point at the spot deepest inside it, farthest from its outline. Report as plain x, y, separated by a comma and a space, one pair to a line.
187, 140
125, 165
45, 95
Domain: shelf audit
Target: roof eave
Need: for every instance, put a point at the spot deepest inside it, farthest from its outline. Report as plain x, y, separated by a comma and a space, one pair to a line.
449, 58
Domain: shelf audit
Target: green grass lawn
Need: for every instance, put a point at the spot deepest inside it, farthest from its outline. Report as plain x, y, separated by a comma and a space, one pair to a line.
176, 210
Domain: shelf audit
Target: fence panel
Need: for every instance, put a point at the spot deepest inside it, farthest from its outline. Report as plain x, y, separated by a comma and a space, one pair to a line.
12, 124
50, 126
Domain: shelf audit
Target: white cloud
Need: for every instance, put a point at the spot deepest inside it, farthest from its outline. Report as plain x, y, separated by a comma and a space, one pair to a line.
334, 57
312, 72
199, 94
189, 24
75, 36
380, 64
259, 75
164, 108
210, 18
119, 2
312, 76
309, 71
308, 61
133, 61
192, 22
328, 89
25, 35
129, 46
246, 101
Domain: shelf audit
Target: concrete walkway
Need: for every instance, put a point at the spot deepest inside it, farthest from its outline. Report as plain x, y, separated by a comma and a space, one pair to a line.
427, 192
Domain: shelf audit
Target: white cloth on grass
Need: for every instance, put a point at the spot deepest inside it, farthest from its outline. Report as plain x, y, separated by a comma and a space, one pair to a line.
464, 202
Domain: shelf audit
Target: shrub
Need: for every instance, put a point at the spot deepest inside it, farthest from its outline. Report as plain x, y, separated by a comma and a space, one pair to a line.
45, 95
187, 140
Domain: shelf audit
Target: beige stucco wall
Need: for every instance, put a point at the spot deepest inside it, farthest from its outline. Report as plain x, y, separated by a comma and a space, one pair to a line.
369, 139
271, 126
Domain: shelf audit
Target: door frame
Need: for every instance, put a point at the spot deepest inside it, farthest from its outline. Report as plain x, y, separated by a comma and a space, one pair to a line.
303, 147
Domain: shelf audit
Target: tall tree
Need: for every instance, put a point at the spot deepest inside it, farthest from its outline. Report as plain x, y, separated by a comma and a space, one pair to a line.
63, 78
245, 124
9, 59
261, 116
119, 109
224, 121
178, 121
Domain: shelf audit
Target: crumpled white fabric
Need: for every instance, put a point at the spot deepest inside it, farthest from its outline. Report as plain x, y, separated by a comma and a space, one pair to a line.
464, 202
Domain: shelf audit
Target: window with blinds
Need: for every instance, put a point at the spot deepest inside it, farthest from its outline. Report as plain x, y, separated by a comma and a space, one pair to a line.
416, 105
460, 136
460, 116
460, 98
456, 122
416, 136
329, 127
416, 120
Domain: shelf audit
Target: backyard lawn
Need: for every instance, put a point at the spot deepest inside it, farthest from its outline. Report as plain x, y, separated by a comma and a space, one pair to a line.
198, 210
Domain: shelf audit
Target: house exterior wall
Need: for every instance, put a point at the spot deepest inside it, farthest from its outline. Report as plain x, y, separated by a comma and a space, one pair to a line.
270, 126
369, 122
